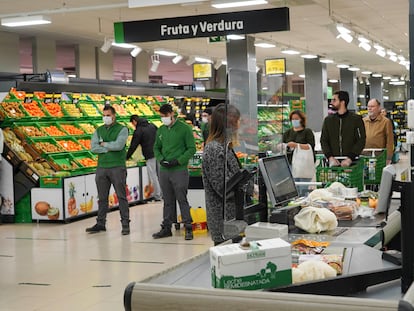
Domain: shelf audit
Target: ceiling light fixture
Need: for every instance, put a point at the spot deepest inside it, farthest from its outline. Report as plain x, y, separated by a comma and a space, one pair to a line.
234, 4
265, 45
386, 78
106, 45
376, 75
366, 72
343, 66
344, 33
203, 60
353, 69
290, 51
309, 56
333, 81
123, 45
364, 43
177, 59
190, 61
289, 73
326, 61
155, 59
25, 21
235, 37
135, 51
394, 58
165, 53
381, 53
302, 76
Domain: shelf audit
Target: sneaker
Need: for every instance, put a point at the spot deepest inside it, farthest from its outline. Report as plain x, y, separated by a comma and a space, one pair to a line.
125, 230
163, 233
188, 234
96, 228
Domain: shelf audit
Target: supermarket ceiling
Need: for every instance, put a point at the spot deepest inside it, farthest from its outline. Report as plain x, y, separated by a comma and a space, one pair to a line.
312, 28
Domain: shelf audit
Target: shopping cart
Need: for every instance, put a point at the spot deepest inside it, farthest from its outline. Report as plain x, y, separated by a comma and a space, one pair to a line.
374, 162
351, 176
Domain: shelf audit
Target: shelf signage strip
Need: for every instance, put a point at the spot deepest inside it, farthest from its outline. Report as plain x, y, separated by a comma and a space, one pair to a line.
209, 25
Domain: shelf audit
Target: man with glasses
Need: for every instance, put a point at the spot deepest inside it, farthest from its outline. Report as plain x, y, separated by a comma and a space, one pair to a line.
343, 133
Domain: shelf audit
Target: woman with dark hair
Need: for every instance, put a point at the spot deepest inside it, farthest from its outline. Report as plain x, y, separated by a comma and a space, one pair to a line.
298, 136
219, 154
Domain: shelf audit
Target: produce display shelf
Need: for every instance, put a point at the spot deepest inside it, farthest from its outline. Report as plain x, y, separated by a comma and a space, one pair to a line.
69, 144
63, 161
44, 145
72, 128
52, 129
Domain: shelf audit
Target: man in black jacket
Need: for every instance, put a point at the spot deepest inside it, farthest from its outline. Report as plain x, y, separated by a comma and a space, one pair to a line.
343, 133
144, 135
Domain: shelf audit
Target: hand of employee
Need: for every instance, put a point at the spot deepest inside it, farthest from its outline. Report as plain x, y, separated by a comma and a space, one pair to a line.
346, 162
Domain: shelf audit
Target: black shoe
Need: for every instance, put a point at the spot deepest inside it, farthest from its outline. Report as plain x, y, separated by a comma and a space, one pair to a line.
95, 229
163, 233
188, 234
125, 230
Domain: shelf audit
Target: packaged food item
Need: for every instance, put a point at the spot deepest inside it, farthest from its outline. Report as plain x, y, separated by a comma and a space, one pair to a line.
344, 209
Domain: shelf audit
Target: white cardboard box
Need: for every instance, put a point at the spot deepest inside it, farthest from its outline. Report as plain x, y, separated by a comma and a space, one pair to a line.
265, 230
265, 265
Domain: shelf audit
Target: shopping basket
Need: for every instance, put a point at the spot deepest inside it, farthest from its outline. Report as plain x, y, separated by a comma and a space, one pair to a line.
374, 162
351, 176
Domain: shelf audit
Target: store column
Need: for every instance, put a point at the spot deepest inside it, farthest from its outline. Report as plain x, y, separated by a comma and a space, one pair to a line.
140, 67
104, 65
242, 88
85, 62
375, 88
9, 52
348, 83
43, 55
315, 93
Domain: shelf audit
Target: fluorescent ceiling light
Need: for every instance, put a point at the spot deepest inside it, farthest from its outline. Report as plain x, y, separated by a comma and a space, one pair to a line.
235, 37
366, 72
394, 79
333, 81
25, 21
342, 29
386, 78
288, 73
308, 56
135, 51
106, 45
326, 61
302, 76
377, 75
353, 69
342, 66
397, 82
265, 45
400, 57
365, 45
394, 58
346, 37
124, 45
172, 84
165, 53
381, 53
177, 59
203, 60
378, 47
290, 52
389, 52
234, 4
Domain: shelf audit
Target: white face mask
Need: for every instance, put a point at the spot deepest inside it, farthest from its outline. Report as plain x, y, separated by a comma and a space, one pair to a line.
204, 119
166, 120
107, 120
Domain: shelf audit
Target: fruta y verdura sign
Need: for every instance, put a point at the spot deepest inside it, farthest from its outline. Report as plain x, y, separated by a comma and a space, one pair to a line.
246, 22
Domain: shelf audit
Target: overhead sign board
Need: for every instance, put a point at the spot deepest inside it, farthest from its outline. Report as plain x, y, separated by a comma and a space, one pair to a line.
210, 25
275, 66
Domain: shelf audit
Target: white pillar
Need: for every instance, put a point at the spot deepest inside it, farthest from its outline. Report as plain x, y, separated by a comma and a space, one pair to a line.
9, 52
85, 61
43, 54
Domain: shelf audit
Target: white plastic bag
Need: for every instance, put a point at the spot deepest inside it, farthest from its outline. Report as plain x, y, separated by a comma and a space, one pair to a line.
303, 165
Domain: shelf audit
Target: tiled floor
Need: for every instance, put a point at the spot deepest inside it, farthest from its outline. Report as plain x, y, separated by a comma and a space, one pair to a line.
47, 267
59, 267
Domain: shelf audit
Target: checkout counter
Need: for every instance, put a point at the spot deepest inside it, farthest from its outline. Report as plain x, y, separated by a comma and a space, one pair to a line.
366, 275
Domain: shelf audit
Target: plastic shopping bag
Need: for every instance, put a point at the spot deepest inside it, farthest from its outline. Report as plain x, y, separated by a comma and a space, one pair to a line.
303, 165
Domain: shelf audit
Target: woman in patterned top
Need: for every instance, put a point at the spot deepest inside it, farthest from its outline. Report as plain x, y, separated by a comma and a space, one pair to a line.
219, 163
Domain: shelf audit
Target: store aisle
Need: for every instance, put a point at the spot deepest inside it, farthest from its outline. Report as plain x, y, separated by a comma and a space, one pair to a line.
59, 267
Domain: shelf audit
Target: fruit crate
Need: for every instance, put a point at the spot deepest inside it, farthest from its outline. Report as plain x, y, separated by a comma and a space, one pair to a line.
351, 176
378, 158
89, 109
52, 129
88, 128
12, 110
72, 128
71, 110
84, 140
35, 110
53, 109
63, 161
85, 159
28, 129
44, 145
69, 144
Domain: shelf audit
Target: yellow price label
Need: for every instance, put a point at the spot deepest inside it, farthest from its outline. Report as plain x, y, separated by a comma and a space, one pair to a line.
275, 66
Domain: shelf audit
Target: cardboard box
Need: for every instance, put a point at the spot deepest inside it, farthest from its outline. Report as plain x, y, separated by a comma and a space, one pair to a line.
266, 264
265, 230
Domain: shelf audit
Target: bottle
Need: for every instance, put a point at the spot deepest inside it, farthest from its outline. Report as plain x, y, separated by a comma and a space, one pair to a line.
371, 168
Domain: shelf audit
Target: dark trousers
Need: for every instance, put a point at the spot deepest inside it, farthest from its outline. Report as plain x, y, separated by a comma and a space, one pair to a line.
105, 177
174, 187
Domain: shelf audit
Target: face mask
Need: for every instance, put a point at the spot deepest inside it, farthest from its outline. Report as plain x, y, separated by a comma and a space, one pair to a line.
296, 123
166, 120
107, 120
204, 120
